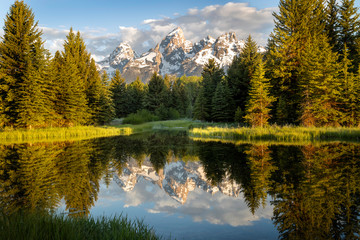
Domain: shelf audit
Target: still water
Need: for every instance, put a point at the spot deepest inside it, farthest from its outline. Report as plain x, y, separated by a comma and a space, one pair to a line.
189, 189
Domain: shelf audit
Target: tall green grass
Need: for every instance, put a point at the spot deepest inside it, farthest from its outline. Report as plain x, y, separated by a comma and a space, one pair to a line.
181, 124
46, 226
274, 133
60, 134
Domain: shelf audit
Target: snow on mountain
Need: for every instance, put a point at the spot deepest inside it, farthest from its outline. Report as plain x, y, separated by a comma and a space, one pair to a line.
177, 179
174, 55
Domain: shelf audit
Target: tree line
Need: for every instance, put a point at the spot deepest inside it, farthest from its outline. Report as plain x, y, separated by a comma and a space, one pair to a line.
309, 75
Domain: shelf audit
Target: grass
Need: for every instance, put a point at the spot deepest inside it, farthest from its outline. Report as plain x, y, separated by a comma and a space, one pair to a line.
182, 124
60, 134
277, 134
48, 226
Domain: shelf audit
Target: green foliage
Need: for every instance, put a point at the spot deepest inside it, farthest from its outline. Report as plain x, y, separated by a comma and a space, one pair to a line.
135, 96
222, 103
258, 106
295, 24
141, 116
118, 90
348, 33
23, 82
212, 74
348, 99
319, 84
157, 93
241, 70
239, 116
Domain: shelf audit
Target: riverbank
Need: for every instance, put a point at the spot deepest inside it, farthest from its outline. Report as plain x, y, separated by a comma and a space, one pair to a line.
60, 134
277, 134
48, 226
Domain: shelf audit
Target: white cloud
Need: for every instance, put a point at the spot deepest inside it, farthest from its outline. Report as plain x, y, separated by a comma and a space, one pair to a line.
212, 20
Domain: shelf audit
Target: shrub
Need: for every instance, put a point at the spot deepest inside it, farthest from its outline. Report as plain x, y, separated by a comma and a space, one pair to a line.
141, 116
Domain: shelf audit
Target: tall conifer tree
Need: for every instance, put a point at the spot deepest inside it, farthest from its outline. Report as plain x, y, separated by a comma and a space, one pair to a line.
241, 70
222, 103
212, 74
258, 105
349, 28
23, 88
295, 24
119, 96
135, 94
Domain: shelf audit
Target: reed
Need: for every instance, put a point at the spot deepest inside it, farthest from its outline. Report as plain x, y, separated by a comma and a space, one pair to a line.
60, 134
49, 226
275, 133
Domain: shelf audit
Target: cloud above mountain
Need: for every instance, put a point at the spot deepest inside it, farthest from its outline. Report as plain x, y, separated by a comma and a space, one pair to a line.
212, 20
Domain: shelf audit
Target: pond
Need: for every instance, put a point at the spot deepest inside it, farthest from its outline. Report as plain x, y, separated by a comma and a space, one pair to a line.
189, 189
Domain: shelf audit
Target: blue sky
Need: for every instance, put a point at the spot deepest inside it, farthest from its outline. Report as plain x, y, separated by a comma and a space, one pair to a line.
143, 23
112, 13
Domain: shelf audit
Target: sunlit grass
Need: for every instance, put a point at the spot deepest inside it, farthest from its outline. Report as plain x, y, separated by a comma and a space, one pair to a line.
47, 226
60, 134
279, 134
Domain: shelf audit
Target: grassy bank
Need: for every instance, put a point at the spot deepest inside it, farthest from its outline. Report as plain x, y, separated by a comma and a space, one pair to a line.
278, 134
45, 226
60, 134
183, 124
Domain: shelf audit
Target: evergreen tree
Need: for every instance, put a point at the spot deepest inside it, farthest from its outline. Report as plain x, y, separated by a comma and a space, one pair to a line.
135, 95
258, 105
349, 27
118, 89
222, 103
212, 74
319, 84
71, 102
295, 24
350, 93
23, 87
331, 24
241, 70
156, 94
106, 110
179, 98
201, 110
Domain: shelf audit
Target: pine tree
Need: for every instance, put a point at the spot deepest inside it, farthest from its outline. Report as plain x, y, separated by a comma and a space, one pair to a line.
319, 85
258, 105
350, 93
106, 110
118, 89
241, 70
156, 94
23, 87
201, 110
179, 98
222, 103
212, 74
349, 27
135, 95
295, 24
331, 24
71, 102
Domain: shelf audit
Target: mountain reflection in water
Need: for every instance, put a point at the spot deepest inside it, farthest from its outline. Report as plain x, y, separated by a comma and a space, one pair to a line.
308, 191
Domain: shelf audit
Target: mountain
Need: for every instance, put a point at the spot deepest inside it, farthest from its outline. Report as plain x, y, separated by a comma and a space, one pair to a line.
174, 55
177, 179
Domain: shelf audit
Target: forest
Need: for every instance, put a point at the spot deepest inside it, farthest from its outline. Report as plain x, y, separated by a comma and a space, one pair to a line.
308, 76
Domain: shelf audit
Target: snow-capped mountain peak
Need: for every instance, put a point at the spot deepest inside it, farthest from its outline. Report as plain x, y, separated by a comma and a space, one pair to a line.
174, 55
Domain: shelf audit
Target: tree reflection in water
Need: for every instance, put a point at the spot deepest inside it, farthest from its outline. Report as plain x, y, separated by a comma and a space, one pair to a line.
314, 188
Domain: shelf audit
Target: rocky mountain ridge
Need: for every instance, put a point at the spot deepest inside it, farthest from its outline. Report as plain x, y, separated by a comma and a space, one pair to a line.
174, 55
177, 179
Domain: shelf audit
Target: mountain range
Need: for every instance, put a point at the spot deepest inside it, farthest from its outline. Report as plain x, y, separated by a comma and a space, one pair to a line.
174, 55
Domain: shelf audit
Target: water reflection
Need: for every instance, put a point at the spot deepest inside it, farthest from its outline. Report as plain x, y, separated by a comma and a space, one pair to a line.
314, 189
